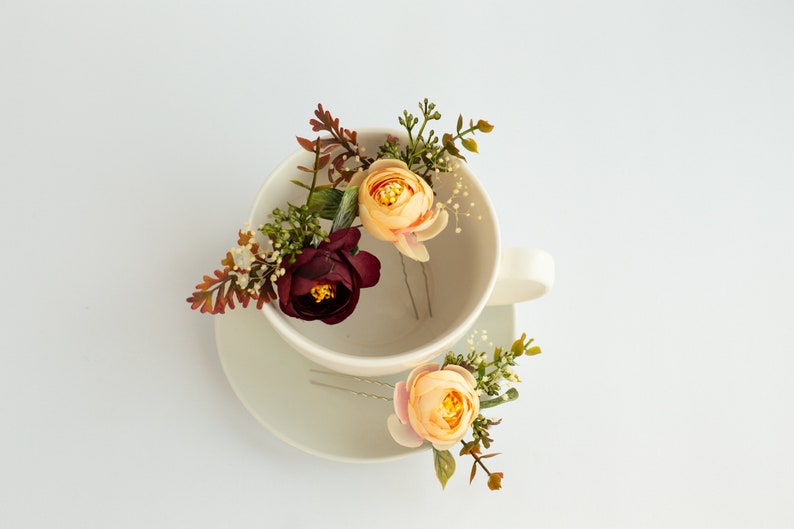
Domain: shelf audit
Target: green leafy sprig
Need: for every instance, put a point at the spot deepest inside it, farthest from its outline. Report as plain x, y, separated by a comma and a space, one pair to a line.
293, 230
490, 374
426, 153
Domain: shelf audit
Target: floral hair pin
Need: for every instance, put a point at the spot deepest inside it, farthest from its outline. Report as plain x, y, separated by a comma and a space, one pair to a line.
441, 403
307, 257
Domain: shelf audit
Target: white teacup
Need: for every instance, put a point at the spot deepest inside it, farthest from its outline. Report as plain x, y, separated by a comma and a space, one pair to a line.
417, 311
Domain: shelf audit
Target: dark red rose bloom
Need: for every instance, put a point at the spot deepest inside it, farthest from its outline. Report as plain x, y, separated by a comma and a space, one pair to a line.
324, 282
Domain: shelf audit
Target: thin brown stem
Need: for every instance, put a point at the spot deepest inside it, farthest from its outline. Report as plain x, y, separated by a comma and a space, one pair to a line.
317, 151
478, 460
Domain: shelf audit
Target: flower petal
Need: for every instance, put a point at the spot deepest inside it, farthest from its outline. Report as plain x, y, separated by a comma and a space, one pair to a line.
386, 163
331, 263
374, 228
462, 371
403, 434
390, 219
356, 179
417, 372
367, 266
415, 208
437, 225
344, 239
319, 266
401, 401
306, 255
407, 245
438, 445
345, 311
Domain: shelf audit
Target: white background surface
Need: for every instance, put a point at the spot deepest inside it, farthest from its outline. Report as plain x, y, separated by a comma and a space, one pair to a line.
647, 145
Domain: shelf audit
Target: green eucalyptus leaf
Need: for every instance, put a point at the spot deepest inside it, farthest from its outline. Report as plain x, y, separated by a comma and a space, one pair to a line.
469, 144
444, 462
325, 202
348, 209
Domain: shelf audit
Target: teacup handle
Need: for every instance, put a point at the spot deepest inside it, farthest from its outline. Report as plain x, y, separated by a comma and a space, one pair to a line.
524, 274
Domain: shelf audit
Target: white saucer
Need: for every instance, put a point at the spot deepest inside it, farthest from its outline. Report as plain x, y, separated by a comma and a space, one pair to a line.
273, 382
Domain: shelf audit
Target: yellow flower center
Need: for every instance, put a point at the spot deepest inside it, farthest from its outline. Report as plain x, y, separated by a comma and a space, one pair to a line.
322, 292
388, 193
451, 408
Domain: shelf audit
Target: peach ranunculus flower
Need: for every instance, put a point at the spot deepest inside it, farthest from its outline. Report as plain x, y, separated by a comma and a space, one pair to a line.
437, 405
396, 205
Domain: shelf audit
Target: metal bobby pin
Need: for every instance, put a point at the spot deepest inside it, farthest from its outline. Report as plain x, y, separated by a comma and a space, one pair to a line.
352, 391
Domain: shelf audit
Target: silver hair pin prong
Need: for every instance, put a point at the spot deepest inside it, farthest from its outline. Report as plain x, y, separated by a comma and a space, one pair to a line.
408, 285
427, 292
348, 390
354, 377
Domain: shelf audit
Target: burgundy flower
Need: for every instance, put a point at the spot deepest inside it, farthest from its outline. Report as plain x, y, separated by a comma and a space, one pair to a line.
324, 282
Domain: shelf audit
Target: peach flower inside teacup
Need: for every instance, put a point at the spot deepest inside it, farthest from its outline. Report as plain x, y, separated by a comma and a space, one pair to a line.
396, 205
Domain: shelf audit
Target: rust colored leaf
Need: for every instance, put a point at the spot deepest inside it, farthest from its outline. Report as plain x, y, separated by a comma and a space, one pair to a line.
449, 144
266, 294
307, 144
220, 302
339, 162
244, 237
214, 294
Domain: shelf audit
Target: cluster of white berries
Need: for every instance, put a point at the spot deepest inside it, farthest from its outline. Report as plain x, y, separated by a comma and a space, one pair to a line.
477, 340
250, 269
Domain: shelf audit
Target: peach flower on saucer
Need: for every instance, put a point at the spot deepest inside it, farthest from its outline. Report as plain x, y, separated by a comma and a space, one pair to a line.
437, 405
396, 205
